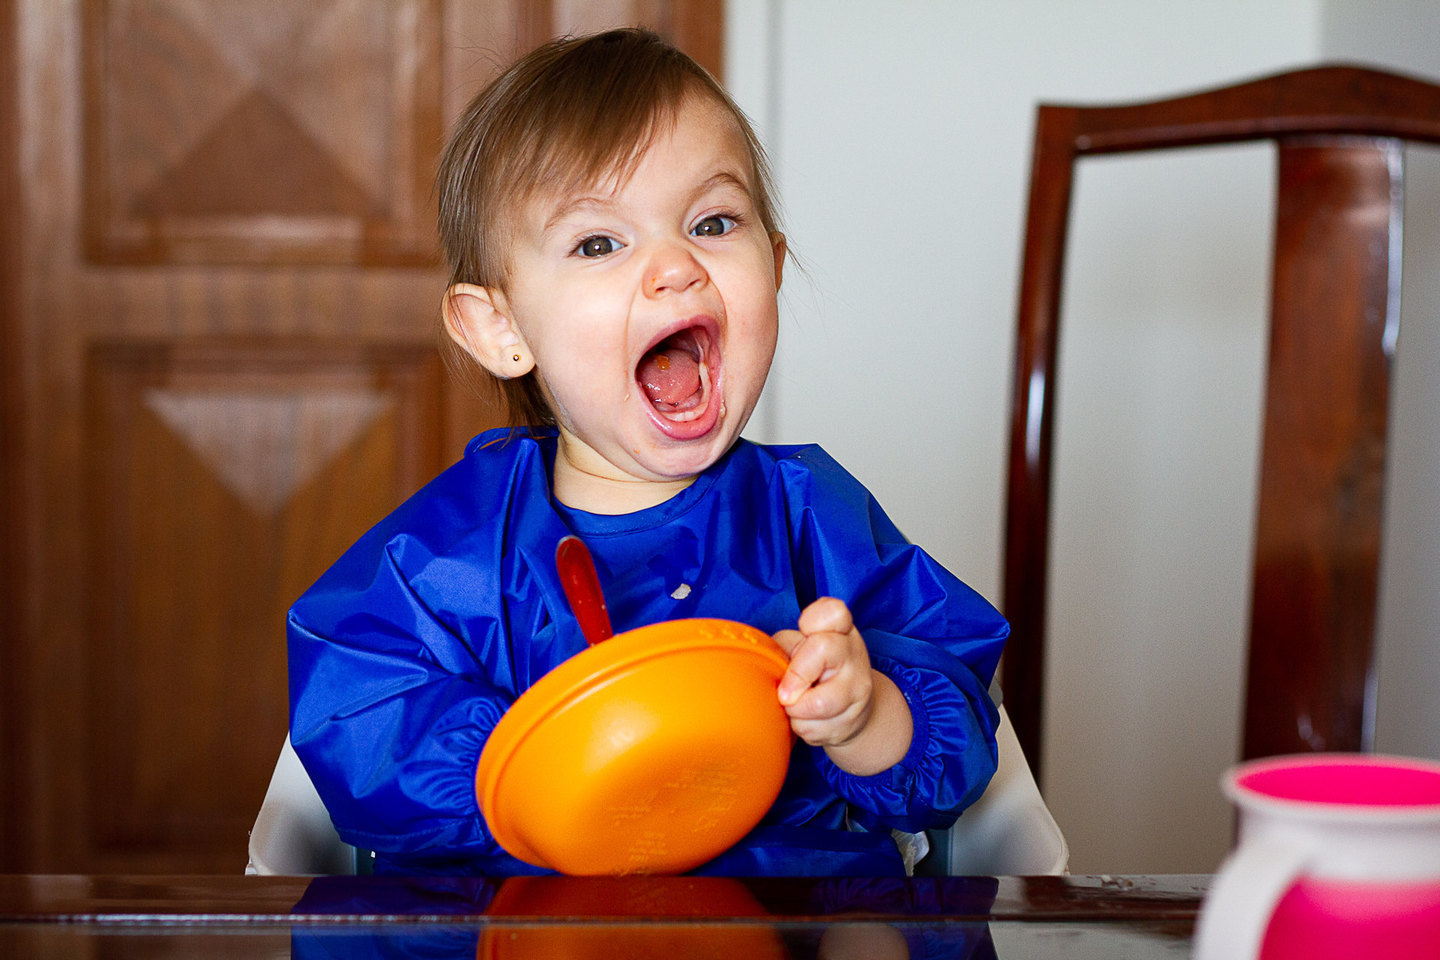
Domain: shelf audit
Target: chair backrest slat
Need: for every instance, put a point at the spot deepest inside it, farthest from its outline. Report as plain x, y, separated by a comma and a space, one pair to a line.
1334, 306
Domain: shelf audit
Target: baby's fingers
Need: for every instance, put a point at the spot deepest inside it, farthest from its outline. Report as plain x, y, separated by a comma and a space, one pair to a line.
806, 667
788, 640
812, 660
794, 681
831, 712
826, 615
821, 701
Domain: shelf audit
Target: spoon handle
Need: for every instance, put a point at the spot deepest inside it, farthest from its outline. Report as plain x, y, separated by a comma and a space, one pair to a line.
582, 589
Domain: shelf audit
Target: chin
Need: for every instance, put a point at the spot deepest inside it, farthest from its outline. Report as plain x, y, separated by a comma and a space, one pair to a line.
680, 460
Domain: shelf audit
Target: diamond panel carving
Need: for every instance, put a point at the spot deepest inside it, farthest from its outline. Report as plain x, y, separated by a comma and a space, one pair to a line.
224, 131
263, 447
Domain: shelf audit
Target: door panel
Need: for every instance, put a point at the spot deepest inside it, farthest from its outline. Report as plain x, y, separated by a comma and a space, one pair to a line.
223, 475
219, 368
249, 132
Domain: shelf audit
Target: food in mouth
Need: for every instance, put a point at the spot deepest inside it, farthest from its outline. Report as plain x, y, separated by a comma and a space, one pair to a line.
674, 373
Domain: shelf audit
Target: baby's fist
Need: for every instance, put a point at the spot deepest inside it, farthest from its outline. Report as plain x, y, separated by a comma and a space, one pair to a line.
828, 689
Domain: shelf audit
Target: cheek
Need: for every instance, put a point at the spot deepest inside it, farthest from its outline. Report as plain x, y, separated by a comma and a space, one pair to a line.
759, 323
748, 361
563, 331
755, 285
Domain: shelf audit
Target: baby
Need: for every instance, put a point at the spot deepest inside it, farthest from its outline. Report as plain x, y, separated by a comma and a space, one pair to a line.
615, 257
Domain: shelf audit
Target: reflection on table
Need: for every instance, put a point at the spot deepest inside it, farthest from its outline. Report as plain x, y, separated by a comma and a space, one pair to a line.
637, 917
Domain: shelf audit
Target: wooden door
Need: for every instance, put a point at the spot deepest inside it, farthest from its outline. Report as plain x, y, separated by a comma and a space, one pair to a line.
220, 286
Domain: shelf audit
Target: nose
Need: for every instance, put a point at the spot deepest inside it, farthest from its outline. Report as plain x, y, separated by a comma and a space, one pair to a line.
672, 269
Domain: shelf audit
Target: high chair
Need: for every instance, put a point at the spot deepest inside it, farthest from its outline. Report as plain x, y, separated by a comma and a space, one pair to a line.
1008, 831
293, 834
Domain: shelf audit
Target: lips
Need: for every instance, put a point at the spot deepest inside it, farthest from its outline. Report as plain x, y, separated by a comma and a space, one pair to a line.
678, 377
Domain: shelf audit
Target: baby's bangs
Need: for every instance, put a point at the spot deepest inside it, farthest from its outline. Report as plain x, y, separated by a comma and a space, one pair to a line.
597, 127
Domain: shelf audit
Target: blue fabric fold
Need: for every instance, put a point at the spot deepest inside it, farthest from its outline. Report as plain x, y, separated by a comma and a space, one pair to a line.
405, 654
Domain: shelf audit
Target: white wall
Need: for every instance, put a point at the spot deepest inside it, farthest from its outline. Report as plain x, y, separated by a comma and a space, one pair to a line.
901, 139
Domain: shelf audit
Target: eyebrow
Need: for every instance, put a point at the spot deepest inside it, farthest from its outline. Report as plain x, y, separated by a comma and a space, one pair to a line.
584, 201
594, 201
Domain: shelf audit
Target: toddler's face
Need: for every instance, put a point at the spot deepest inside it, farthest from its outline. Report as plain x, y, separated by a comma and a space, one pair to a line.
650, 308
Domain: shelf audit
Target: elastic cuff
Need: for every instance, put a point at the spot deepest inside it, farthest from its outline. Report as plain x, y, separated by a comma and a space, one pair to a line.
919, 736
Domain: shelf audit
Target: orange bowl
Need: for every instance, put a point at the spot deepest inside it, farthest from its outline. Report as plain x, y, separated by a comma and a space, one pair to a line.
651, 752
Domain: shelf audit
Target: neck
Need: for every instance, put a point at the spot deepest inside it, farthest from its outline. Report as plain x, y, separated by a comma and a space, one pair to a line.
593, 492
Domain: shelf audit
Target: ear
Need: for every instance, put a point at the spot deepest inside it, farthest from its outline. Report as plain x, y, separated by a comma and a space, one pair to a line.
478, 320
777, 244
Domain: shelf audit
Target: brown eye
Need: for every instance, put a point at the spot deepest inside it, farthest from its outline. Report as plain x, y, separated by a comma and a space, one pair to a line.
596, 247
716, 226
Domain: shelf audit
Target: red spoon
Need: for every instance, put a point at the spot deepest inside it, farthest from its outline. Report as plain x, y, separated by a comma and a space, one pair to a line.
582, 589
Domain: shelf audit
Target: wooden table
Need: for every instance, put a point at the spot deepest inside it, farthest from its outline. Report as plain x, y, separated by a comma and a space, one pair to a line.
553, 917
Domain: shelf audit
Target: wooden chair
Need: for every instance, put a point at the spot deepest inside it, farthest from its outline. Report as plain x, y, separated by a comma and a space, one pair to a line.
1339, 133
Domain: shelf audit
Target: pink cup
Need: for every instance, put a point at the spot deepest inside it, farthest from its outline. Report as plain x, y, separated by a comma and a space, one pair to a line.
1338, 856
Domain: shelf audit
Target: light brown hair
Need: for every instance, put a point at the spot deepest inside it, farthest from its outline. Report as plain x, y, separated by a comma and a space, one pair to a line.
572, 112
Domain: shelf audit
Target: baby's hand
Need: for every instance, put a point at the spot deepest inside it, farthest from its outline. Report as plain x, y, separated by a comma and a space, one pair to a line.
828, 691
835, 699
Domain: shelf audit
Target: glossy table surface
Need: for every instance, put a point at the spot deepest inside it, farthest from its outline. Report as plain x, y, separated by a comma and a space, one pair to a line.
555, 917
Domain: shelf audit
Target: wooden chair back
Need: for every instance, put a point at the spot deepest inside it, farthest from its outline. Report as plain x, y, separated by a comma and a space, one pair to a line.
1339, 133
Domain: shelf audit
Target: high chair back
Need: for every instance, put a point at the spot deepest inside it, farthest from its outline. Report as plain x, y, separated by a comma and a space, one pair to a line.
293, 834
1009, 831
1339, 133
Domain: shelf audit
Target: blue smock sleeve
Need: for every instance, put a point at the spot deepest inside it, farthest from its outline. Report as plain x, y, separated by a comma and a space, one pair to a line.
925, 629
402, 659
383, 659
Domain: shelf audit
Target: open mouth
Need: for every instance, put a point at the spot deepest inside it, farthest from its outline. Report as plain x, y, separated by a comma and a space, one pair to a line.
676, 376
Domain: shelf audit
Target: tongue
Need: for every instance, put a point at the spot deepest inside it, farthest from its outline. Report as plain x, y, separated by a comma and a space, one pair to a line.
670, 376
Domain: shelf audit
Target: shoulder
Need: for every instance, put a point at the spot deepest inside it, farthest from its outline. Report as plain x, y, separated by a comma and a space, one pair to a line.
808, 473
497, 466
793, 462
454, 510
808, 487
502, 448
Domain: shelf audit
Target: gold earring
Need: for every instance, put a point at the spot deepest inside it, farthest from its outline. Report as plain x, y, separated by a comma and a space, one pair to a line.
515, 357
